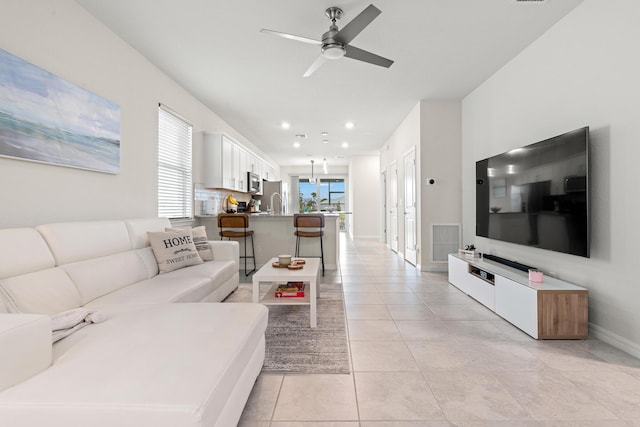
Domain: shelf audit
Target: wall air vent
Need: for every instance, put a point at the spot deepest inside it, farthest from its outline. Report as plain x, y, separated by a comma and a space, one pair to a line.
445, 240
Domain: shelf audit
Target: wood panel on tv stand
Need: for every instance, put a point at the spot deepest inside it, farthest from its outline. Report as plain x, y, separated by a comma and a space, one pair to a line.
553, 309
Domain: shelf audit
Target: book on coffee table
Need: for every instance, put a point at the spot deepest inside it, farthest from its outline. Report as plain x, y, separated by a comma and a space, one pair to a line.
290, 290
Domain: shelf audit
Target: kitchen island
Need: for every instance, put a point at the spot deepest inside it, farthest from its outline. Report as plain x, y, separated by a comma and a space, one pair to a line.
273, 236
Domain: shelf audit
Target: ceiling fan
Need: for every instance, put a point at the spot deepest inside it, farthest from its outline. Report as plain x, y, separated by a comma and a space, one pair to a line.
335, 43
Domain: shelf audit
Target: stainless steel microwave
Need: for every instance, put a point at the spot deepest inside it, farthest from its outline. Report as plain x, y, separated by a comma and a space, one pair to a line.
254, 182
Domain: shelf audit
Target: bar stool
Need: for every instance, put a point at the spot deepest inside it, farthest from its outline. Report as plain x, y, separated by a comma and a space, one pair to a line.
313, 221
237, 221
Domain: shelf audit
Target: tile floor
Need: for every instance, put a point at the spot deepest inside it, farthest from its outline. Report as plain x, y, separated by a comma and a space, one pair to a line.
424, 354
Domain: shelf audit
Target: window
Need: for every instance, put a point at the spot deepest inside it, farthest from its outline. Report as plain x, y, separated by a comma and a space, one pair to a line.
174, 166
330, 191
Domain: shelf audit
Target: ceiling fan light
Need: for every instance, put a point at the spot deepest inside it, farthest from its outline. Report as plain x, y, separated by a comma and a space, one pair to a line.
333, 50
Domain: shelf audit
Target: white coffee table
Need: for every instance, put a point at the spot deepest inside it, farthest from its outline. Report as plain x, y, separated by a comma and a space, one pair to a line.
309, 274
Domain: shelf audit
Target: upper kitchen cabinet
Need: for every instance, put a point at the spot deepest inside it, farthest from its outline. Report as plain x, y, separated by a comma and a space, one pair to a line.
268, 172
221, 162
226, 163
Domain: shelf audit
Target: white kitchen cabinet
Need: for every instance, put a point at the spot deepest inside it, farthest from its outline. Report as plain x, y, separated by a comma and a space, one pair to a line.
251, 162
226, 163
237, 167
217, 156
268, 172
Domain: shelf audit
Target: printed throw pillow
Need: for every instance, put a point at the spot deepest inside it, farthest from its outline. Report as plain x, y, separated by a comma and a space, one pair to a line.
174, 249
202, 243
200, 239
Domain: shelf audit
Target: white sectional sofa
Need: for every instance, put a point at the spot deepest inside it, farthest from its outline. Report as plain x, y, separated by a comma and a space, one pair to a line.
151, 362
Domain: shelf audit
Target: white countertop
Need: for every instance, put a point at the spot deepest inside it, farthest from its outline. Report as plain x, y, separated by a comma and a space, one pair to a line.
267, 215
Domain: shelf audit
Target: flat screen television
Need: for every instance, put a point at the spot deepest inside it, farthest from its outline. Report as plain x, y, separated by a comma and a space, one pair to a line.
537, 195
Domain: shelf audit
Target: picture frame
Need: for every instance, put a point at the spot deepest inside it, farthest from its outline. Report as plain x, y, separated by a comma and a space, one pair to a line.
46, 119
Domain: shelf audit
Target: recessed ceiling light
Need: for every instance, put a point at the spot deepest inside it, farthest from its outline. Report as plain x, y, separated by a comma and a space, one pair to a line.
349, 125
285, 125
325, 141
325, 134
301, 135
345, 144
296, 144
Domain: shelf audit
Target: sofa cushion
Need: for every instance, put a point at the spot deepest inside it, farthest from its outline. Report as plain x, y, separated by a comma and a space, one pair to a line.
25, 340
174, 249
192, 284
148, 260
153, 365
48, 291
76, 241
100, 276
23, 250
139, 227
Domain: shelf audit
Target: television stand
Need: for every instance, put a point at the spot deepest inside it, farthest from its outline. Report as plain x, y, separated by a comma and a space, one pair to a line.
553, 309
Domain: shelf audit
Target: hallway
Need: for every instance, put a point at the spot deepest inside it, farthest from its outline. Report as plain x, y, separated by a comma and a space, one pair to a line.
423, 354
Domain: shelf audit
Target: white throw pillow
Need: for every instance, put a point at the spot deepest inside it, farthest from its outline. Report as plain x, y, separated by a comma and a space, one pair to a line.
174, 249
200, 239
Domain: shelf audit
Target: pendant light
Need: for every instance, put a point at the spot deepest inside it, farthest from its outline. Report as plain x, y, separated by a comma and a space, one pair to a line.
312, 180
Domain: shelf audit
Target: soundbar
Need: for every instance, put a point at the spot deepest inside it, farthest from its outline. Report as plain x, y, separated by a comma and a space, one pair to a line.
507, 262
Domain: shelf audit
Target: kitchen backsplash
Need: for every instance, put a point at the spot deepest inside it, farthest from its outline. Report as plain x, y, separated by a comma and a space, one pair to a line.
200, 194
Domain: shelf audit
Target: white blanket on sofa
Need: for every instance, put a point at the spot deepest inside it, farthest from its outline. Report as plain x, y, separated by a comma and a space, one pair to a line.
65, 323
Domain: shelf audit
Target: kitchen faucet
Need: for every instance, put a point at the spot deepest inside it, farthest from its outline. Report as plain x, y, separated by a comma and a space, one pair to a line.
273, 211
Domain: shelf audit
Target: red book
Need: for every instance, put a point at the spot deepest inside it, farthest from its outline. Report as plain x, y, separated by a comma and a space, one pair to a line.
290, 290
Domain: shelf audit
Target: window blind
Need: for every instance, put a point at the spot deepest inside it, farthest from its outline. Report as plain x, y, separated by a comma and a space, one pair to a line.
174, 166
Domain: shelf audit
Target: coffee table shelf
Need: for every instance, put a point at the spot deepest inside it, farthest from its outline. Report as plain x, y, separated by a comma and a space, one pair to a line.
308, 274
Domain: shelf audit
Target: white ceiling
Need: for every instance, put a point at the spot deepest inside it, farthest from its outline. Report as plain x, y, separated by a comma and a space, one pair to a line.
442, 49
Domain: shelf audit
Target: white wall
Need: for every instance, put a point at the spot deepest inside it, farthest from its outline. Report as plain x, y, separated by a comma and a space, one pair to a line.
61, 37
583, 71
440, 142
433, 129
364, 196
404, 138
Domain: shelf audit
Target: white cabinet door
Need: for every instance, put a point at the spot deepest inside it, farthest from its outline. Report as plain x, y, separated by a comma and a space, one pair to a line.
459, 273
228, 177
239, 168
212, 161
517, 304
475, 287
251, 162
225, 163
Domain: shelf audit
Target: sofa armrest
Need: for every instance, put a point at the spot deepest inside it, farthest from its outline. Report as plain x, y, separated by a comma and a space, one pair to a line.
226, 250
25, 340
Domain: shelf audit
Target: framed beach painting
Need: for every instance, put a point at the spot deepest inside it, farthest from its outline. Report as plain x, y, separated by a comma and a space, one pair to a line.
44, 118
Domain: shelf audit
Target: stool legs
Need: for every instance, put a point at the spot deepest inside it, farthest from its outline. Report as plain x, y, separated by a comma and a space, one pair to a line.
322, 255
253, 255
321, 251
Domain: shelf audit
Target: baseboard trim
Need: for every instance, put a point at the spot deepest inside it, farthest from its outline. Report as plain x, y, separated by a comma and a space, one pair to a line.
615, 340
435, 269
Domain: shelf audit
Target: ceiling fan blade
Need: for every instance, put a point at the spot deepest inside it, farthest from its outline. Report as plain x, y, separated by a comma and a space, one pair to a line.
357, 24
291, 37
316, 64
365, 56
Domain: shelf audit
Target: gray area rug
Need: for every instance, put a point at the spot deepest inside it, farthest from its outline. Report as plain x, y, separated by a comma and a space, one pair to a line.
292, 346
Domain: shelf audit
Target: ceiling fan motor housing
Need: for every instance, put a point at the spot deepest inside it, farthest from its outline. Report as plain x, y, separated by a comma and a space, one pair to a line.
331, 48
